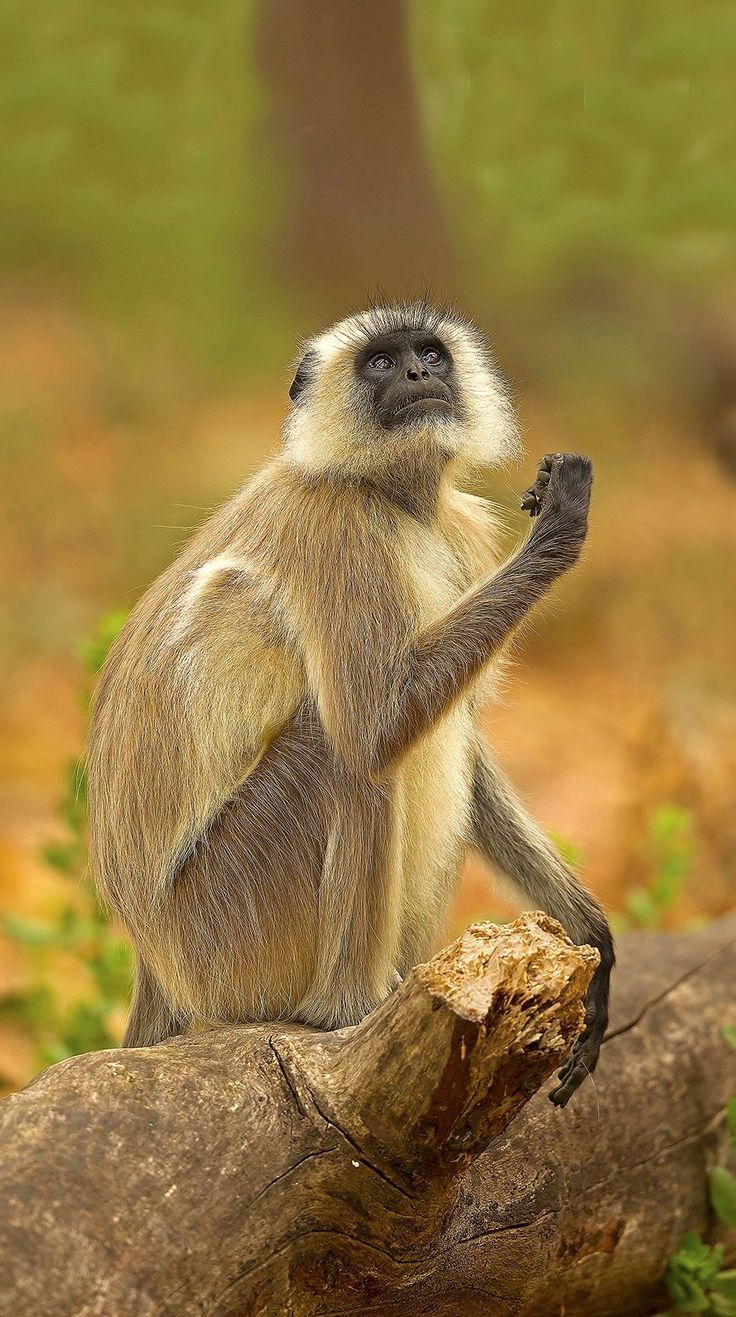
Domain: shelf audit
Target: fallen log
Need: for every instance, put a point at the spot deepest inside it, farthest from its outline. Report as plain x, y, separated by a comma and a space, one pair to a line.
275, 1169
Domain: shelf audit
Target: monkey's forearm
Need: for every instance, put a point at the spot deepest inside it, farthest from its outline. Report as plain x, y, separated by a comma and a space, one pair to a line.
375, 692
505, 835
447, 657
453, 651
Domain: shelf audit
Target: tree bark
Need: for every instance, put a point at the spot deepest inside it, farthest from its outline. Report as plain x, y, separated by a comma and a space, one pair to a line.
274, 1169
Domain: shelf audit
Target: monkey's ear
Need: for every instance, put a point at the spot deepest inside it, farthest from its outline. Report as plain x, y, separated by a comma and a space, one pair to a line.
301, 379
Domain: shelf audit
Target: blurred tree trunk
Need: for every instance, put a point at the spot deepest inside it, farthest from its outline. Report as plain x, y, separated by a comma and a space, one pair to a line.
362, 215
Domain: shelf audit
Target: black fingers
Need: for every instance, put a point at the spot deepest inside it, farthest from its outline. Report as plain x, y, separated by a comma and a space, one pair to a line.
583, 1059
581, 1063
561, 507
533, 498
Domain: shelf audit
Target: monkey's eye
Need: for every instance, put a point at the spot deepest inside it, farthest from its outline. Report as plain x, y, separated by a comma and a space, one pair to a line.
381, 361
432, 357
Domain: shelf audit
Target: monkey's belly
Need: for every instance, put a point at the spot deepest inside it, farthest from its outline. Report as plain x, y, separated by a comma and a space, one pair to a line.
240, 940
434, 797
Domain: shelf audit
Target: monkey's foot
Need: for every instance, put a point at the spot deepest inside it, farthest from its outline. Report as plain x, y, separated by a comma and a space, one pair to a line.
580, 1064
533, 497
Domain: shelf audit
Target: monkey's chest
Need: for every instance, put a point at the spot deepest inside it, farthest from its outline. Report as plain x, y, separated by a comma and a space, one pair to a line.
435, 782
435, 793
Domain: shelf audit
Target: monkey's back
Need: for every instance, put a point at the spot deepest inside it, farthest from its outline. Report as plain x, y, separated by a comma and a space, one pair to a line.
199, 681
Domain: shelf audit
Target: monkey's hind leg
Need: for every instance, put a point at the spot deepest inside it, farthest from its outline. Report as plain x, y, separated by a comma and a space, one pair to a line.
151, 1019
358, 910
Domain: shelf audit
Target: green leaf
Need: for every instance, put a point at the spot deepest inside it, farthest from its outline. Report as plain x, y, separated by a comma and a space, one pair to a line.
687, 1294
731, 1117
641, 907
722, 1305
691, 1271
670, 824
569, 851
96, 650
30, 1008
729, 1033
85, 1030
725, 1283
694, 1255
52, 1052
29, 932
64, 857
113, 969
77, 779
723, 1195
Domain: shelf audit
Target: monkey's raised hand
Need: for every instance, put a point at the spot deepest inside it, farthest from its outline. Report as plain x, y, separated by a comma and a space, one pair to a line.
533, 497
558, 501
562, 477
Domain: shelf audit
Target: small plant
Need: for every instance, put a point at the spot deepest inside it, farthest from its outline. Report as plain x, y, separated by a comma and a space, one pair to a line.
695, 1278
81, 928
668, 849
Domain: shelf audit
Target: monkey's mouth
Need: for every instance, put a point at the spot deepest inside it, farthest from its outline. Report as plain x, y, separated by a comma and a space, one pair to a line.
430, 402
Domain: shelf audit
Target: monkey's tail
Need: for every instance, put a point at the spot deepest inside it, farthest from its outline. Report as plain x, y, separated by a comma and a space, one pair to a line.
151, 1018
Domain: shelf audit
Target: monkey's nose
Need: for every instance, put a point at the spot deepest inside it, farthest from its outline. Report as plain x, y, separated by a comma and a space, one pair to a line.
415, 372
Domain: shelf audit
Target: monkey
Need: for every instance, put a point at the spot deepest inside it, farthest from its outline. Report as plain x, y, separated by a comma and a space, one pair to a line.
286, 766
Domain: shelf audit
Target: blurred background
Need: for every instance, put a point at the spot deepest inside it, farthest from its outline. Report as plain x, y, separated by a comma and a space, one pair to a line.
186, 190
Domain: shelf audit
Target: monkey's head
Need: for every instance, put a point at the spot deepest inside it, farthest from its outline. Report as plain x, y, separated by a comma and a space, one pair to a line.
394, 381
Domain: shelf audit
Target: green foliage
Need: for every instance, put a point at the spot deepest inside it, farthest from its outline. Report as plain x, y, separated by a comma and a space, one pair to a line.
128, 149
574, 136
694, 1276
568, 849
723, 1195
722, 1181
80, 928
696, 1281
668, 850
95, 650
691, 1272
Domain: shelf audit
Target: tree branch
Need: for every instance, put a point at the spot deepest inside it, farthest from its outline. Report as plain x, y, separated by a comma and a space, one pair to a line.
272, 1169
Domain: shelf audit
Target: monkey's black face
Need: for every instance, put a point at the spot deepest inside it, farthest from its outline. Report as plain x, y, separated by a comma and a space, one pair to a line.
411, 378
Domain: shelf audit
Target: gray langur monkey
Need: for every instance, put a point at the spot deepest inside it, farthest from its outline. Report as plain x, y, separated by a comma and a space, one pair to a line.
285, 761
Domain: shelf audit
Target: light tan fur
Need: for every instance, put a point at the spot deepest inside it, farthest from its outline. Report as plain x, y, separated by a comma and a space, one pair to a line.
273, 848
